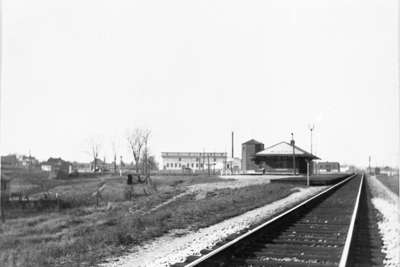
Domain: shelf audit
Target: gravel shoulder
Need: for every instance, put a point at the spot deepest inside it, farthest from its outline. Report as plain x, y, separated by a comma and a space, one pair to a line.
388, 205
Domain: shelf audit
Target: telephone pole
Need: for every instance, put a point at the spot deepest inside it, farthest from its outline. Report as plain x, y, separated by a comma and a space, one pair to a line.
294, 156
369, 165
311, 128
232, 146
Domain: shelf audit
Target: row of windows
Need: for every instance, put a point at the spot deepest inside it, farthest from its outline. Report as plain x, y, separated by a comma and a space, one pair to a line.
197, 159
176, 165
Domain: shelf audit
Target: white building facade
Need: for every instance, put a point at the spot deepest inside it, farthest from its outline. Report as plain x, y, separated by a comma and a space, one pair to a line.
195, 161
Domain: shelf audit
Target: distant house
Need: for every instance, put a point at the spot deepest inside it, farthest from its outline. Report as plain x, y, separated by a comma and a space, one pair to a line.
57, 167
27, 161
81, 167
45, 167
9, 160
14, 160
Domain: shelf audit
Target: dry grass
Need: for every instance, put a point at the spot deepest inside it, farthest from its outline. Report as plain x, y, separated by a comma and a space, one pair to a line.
392, 182
84, 235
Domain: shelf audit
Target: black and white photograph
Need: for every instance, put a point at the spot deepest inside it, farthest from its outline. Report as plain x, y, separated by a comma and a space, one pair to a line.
199, 133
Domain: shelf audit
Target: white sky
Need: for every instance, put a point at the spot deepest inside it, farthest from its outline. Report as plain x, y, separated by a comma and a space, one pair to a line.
192, 71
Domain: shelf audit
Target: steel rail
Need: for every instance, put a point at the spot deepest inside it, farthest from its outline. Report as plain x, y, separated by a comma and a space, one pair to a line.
230, 243
346, 248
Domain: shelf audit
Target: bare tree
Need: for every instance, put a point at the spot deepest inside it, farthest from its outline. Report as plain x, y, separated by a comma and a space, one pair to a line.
136, 142
94, 150
146, 136
114, 151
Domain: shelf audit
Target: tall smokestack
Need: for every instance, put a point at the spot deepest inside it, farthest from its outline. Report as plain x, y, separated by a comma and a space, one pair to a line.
232, 146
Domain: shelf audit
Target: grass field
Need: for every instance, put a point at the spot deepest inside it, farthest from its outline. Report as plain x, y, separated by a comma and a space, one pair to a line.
84, 235
78, 192
392, 182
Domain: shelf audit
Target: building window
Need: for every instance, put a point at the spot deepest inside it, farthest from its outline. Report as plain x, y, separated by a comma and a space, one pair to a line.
176, 165
167, 165
215, 159
197, 165
179, 165
179, 159
201, 165
197, 159
192, 165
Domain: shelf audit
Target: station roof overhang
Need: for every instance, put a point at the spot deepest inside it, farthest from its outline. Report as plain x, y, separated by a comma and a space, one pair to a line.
284, 149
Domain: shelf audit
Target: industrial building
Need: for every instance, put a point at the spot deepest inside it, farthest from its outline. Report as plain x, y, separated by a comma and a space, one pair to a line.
194, 161
327, 167
278, 158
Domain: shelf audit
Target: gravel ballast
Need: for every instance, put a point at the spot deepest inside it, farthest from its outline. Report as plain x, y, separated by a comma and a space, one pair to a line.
388, 205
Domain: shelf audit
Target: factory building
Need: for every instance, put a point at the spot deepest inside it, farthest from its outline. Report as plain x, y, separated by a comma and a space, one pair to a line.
194, 161
275, 159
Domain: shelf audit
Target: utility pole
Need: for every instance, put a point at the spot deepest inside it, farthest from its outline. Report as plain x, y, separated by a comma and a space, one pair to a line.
232, 146
115, 163
294, 156
308, 173
369, 165
311, 128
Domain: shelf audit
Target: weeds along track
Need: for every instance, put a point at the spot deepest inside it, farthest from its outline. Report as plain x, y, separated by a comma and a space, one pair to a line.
317, 232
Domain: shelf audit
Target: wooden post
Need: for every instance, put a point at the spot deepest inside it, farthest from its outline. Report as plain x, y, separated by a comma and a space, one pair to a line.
1, 200
58, 202
2, 215
208, 164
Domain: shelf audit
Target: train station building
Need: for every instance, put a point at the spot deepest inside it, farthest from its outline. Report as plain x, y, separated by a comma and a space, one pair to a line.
277, 158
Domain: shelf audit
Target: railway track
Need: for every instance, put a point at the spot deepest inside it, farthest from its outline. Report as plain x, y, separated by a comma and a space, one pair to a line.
317, 232
366, 246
